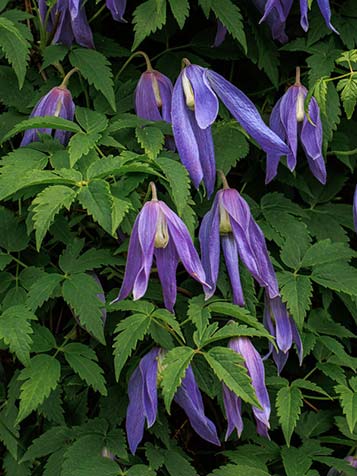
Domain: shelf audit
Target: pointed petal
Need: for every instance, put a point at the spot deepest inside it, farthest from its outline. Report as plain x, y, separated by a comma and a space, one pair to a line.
166, 262
148, 368
206, 102
318, 169
233, 409
280, 360
183, 243
189, 398
324, 6
311, 134
288, 117
207, 159
209, 241
297, 340
245, 112
81, 29
186, 142
165, 88
220, 34
135, 418
117, 9
262, 429
284, 337
230, 252
304, 22
145, 101
273, 158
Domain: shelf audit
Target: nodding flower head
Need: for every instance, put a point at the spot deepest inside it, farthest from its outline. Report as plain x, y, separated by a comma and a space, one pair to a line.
153, 96
117, 9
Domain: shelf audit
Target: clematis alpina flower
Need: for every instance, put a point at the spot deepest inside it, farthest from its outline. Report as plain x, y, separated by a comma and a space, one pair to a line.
230, 223
195, 108
153, 96
289, 121
232, 403
283, 7
275, 18
159, 232
352, 460
143, 401
355, 209
57, 102
220, 34
67, 22
189, 398
282, 326
117, 9
142, 391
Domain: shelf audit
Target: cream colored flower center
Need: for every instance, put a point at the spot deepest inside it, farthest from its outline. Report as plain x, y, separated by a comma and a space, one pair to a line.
155, 87
187, 89
224, 221
162, 233
300, 111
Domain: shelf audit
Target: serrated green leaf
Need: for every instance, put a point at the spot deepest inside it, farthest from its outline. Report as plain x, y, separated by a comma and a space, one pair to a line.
41, 376
307, 385
13, 236
348, 400
177, 465
337, 349
95, 68
49, 442
348, 91
80, 293
230, 369
83, 361
120, 209
169, 320
320, 93
90, 260
180, 10
296, 291
45, 207
198, 314
9, 431
326, 251
91, 121
239, 470
230, 16
53, 54
151, 140
97, 199
16, 330
148, 17
288, 407
296, 461
80, 144
15, 47
174, 368
42, 289
179, 182
130, 331
337, 276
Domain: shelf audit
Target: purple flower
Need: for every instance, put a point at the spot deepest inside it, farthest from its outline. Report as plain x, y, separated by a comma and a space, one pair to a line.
189, 398
159, 232
117, 9
352, 460
220, 34
275, 17
289, 121
195, 108
69, 20
153, 96
57, 102
143, 402
355, 209
142, 392
232, 402
230, 223
280, 325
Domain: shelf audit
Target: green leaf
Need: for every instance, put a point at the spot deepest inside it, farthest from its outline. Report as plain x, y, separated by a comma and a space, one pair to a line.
95, 68
51, 122
120, 209
49, 442
97, 199
80, 144
296, 461
288, 407
337, 276
177, 465
230, 369
130, 331
83, 361
151, 139
13, 236
13, 468
46, 206
16, 330
174, 368
15, 47
180, 10
41, 376
230, 16
179, 181
91, 121
320, 93
239, 470
348, 90
324, 252
348, 400
337, 349
80, 293
169, 321
296, 291
230, 145
198, 313
148, 17
307, 385
53, 54
89, 260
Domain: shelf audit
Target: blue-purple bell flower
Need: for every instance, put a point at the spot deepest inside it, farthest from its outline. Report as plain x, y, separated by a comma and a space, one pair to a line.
355, 209
67, 22
117, 9
220, 34
281, 326
142, 406
153, 96
195, 108
57, 102
230, 223
289, 120
275, 18
232, 403
159, 232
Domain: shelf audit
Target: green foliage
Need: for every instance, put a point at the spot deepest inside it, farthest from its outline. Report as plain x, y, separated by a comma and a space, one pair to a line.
148, 17
288, 403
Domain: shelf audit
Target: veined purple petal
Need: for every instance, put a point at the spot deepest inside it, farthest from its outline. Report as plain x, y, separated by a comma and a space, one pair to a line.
230, 252
189, 398
245, 112
206, 102
255, 367
142, 392
273, 158
279, 357
284, 337
166, 261
318, 169
220, 34
276, 17
324, 6
153, 97
186, 142
289, 120
250, 240
355, 209
209, 242
183, 243
297, 340
81, 30
304, 22
207, 159
42, 6
117, 9
233, 409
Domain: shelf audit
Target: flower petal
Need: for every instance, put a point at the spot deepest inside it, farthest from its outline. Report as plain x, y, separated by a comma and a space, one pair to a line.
117, 9
207, 159
230, 252
284, 337
135, 418
311, 134
288, 117
145, 101
304, 22
233, 409
245, 112
324, 6
148, 368
273, 158
81, 29
166, 262
220, 34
